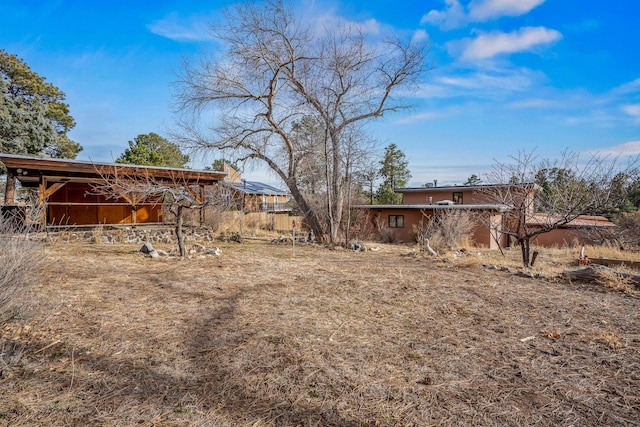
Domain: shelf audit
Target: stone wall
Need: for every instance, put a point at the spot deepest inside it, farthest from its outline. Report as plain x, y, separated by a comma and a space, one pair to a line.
137, 235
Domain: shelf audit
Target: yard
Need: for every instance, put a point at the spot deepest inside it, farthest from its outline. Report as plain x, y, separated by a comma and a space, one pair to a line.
262, 337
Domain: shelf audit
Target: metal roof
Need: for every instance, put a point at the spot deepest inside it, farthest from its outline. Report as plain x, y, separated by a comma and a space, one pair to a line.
254, 187
479, 187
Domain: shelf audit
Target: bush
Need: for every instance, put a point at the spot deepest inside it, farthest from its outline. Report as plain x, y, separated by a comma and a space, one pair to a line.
21, 260
447, 230
230, 236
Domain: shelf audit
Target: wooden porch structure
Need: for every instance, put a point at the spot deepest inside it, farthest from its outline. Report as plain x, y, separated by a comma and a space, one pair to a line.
65, 189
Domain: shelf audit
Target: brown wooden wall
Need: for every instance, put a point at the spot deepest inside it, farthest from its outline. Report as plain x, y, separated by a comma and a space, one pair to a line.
73, 204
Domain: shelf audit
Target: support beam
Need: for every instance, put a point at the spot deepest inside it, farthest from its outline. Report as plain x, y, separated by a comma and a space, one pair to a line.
202, 210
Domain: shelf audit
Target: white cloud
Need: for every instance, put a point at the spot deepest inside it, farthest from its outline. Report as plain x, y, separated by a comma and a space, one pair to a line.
453, 16
627, 88
633, 110
533, 103
419, 117
499, 81
484, 10
630, 148
329, 21
488, 45
483, 84
177, 29
420, 35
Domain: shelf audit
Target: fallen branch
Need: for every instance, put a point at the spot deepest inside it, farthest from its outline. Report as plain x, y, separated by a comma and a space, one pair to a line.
596, 273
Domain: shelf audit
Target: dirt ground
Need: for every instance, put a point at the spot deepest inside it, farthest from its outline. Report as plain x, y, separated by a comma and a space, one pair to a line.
261, 336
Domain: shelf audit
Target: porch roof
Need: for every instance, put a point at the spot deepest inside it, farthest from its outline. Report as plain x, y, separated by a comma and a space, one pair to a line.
28, 170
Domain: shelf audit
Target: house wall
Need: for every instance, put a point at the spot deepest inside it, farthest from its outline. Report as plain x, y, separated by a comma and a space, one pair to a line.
380, 221
253, 202
232, 174
414, 219
469, 197
563, 237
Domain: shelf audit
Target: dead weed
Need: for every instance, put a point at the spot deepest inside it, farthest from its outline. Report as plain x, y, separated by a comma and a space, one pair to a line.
262, 337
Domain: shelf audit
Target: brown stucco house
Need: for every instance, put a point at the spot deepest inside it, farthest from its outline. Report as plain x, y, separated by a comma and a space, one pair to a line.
420, 205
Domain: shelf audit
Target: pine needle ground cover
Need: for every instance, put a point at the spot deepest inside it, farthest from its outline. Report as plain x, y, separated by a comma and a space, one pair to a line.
262, 336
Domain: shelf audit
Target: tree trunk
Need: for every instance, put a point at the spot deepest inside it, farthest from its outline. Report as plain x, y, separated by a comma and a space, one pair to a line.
310, 216
525, 244
179, 232
10, 190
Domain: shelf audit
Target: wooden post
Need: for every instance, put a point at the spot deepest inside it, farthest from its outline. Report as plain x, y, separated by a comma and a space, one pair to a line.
43, 195
42, 202
10, 189
293, 238
202, 207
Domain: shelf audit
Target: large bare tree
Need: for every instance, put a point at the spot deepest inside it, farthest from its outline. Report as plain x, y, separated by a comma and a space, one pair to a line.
274, 69
543, 195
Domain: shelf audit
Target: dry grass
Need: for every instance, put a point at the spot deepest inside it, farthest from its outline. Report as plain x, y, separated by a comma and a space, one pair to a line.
257, 337
20, 263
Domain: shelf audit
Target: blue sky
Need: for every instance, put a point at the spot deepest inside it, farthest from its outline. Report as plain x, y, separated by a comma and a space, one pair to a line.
509, 75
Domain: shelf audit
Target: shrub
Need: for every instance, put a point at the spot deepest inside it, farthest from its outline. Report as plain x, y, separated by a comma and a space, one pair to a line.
447, 230
20, 262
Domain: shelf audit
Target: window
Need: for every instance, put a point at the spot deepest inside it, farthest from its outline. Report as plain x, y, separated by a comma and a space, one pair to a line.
396, 221
457, 197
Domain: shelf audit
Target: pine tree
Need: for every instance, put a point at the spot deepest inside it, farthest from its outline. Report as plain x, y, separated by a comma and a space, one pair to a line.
395, 174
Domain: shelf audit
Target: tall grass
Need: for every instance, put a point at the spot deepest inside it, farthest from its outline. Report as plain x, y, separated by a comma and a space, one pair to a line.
21, 259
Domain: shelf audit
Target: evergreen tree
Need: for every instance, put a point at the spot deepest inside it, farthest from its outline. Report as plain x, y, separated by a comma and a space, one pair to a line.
153, 150
34, 120
394, 173
218, 165
473, 180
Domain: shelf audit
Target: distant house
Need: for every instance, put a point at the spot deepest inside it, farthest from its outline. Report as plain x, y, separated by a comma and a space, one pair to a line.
252, 196
583, 230
66, 196
420, 205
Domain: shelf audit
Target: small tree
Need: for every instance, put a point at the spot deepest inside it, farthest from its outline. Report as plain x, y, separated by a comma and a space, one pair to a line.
570, 188
176, 193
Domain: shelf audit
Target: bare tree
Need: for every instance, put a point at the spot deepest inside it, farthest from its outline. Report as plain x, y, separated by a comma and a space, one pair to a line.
548, 194
175, 193
274, 69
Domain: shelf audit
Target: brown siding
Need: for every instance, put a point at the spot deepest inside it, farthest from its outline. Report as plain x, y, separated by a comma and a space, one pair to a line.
73, 204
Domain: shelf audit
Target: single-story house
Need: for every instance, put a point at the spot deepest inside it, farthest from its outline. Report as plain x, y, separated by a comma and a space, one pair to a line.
66, 189
419, 205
